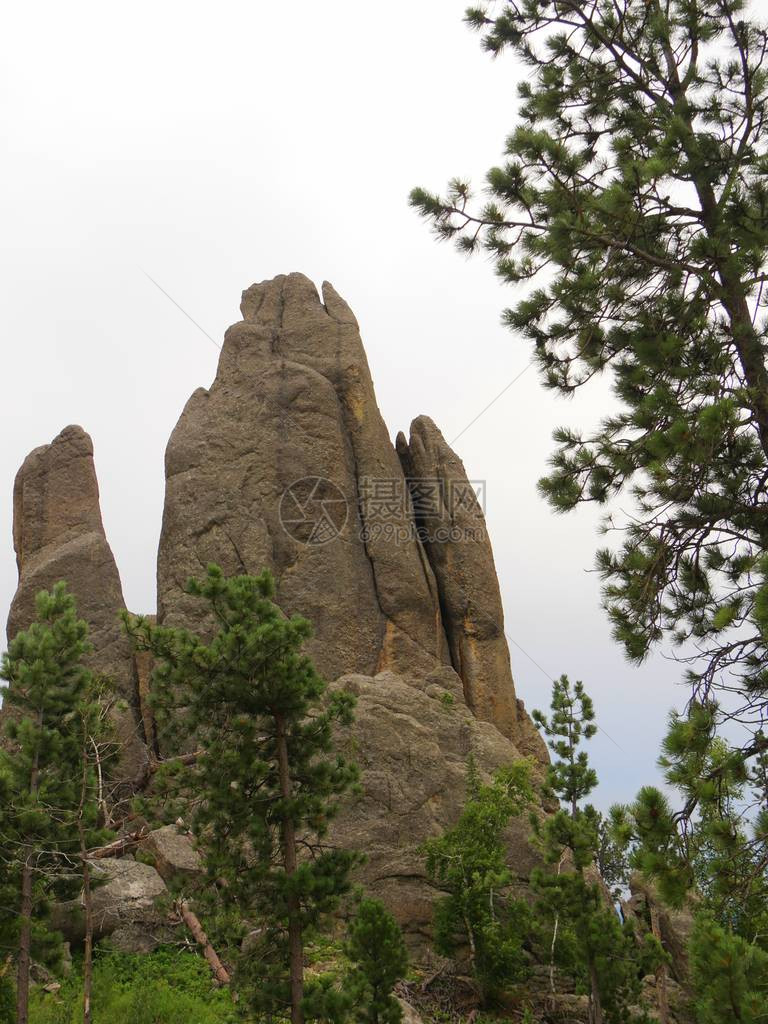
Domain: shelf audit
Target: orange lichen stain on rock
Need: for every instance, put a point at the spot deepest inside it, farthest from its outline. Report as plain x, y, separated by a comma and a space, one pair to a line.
386, 654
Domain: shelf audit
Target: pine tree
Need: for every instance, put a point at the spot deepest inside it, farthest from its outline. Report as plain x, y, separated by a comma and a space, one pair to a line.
40, 777
571, 722
714, 850
729, 976
716, 845
98, 748
267, 781
586, 934
632, 211
469, 862
376, 947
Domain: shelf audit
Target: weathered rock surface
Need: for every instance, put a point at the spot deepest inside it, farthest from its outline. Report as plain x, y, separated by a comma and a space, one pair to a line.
174, 853
129, 892
412, 743
58, 534
285, 463
293, 403
124, 898
410, 1015
452, 524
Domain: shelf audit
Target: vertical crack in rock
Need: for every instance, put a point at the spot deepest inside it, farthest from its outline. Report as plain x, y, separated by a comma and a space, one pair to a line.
453, 529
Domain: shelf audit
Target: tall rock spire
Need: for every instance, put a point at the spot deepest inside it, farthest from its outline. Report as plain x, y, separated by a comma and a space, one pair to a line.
285, 463
290, 430
58, 534
453, 530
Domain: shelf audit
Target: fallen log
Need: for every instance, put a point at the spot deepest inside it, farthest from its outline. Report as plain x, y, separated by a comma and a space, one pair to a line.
124, 844
192, 921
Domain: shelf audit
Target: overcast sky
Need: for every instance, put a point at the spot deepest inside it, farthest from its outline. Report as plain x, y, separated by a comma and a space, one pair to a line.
211, 146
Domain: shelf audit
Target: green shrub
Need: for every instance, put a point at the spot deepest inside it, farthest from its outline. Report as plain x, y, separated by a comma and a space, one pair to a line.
145, 857
7, 1000
377, 949
158, 988
730, 975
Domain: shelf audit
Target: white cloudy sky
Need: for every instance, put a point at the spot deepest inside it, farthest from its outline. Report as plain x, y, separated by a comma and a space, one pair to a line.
211, 146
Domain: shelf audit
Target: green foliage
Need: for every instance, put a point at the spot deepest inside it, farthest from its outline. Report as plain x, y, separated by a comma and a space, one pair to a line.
376, 947
43, 803
267, 778
41, 776
469, 862
729, 975
156, 988
603, 955
569, 776
632, 210
327, 999
7, 1000
611, 859
571, 722
717, 845
581, 932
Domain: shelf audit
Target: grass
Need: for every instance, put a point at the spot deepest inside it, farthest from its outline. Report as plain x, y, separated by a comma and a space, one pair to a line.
166, 987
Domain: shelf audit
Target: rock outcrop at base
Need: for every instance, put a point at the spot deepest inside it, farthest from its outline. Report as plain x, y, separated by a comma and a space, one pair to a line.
123, 904
58, 534
412, 740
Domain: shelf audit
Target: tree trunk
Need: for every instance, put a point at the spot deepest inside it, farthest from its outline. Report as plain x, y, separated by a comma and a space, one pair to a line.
295, 943
661, 971
473, 959
26, 908
119, 846
88, 948
192, 922
733, 295
597, 1006
25, 945
734, 299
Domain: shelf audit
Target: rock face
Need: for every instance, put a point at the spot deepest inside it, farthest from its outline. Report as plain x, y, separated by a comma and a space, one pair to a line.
127, 895
674, 926
174, 853
293, 404
452, 524
58, 534
412, 740
286, 463
125, 898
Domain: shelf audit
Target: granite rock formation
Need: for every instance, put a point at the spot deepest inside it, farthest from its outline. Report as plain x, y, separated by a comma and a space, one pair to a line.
450, 520
286, 463
58, 534
411, 741
288, 439
293, 403
124, 899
